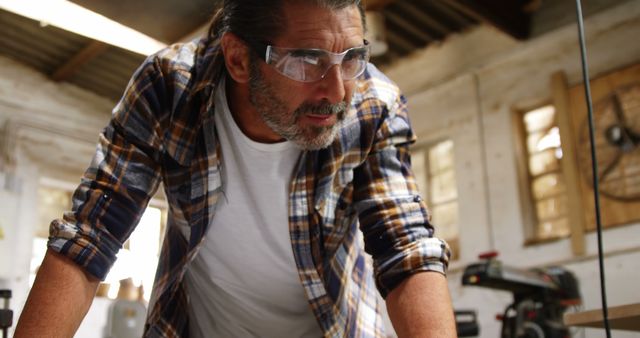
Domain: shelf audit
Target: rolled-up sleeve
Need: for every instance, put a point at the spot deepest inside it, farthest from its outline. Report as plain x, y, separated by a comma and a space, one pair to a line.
393, 217
120, 180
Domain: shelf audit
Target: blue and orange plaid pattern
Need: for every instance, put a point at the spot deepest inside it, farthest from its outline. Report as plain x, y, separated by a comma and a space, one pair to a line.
356, 195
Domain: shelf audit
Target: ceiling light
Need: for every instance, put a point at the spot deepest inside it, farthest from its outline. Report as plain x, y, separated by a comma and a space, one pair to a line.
71, 17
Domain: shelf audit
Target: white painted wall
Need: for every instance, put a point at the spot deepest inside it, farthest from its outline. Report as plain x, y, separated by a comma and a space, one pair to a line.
467, 90
49, 130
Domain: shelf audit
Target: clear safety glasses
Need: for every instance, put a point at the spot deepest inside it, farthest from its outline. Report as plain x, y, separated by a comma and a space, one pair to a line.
310, 65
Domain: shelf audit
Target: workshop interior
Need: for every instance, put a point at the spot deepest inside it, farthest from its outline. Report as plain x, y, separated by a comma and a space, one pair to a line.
503, 158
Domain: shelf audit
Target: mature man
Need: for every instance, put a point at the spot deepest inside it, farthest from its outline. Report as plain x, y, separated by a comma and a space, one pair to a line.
276, 143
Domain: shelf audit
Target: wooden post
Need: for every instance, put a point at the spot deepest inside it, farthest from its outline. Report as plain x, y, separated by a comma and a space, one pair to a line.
560, 91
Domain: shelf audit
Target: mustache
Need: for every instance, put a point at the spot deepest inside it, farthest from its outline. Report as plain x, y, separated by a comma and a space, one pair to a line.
324, 108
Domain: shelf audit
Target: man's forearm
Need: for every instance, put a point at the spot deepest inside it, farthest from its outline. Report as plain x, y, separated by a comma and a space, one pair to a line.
58, 301
421, 307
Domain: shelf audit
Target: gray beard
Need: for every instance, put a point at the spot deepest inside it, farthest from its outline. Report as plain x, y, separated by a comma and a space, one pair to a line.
274, 114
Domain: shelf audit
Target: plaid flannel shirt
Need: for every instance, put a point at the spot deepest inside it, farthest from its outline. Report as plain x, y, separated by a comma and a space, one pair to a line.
360, 187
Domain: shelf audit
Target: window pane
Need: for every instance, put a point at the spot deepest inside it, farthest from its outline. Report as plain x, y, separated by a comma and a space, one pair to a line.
52, 203
438, 185
441, 157
443, 187
445, 220
139, 262
548, 185
532, 141
419, 167
539, 119
543, 162
546, 182
553, 228
551, 208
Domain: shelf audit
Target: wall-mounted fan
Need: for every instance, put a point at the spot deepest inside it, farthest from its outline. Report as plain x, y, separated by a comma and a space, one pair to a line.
617, 140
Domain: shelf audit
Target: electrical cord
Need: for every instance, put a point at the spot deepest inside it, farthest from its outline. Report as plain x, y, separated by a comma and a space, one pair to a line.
594, 165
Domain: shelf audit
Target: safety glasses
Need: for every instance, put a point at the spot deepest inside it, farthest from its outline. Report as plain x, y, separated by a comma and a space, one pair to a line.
310, 65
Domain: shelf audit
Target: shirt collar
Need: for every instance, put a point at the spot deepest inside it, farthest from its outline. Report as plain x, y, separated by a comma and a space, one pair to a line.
208, 65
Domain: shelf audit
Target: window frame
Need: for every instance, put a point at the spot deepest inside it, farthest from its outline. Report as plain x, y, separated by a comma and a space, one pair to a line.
425, 147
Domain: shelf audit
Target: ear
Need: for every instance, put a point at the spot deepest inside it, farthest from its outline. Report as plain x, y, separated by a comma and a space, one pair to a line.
236, 57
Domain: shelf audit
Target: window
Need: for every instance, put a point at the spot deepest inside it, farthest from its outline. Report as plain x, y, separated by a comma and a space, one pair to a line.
139, 257
545, 181
53, 200
433, 166
137, 260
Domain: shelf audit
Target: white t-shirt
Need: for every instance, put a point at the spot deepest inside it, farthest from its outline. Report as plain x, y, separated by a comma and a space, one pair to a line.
244, 281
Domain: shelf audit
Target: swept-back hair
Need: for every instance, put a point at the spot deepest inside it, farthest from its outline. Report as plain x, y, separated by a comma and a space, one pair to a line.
261, 20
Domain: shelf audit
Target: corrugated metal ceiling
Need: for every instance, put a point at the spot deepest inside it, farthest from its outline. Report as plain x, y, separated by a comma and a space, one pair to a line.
410, 25
47, 48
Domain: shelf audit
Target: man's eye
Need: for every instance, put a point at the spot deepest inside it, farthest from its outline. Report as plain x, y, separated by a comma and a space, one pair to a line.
355, 55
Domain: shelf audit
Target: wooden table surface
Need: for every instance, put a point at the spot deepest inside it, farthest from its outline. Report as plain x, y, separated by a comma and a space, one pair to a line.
623, 317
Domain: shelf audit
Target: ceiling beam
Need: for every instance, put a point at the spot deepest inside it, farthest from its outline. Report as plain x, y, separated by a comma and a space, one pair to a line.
376, 5
411, 29
400, 42
411, 9
88, 53
457, 17
509, 16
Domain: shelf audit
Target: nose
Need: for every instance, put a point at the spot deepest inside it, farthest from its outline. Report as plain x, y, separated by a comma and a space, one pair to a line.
332, 86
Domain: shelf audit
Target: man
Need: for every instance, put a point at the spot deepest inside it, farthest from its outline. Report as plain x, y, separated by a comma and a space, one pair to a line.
276, 143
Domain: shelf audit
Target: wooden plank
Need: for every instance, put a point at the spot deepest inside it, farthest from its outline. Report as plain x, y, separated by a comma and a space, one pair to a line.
88, 53
524, 180
614, 212
623, 317
560, 92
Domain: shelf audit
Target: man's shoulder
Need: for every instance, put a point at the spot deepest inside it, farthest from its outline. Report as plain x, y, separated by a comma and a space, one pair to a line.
178, 57
375, 85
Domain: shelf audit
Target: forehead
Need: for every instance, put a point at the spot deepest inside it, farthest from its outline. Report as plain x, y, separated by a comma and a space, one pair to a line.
311, 26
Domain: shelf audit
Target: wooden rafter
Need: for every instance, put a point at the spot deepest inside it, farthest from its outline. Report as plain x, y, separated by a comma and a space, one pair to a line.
88, 53
401, 22
512, 17
376, 5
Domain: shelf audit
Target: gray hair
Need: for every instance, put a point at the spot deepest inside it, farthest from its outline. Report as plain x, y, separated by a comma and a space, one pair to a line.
261, 20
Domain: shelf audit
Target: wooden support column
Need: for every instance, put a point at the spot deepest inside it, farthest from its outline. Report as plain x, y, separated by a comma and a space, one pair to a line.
561, 101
